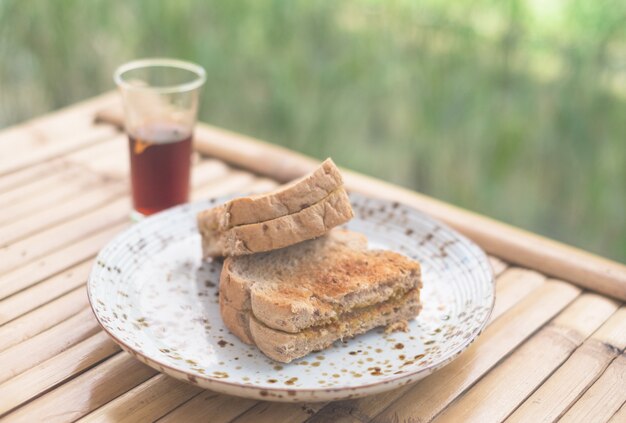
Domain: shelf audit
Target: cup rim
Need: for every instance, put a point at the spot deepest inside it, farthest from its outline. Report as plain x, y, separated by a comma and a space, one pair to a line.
160, 62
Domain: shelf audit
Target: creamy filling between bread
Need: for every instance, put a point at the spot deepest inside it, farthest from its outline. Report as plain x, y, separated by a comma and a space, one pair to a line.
340, 312
350, 321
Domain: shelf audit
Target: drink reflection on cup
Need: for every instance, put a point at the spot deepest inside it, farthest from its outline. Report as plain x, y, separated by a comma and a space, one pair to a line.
161, 103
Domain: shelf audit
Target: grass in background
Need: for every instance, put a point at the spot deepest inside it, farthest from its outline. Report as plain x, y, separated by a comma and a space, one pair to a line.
514, 109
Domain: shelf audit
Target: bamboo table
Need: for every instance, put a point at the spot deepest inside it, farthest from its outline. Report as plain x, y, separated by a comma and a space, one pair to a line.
555, 346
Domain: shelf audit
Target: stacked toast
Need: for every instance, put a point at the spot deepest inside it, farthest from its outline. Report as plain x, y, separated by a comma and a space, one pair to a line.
292, 281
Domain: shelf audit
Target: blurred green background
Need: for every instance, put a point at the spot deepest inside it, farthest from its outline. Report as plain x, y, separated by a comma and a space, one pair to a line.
514, 109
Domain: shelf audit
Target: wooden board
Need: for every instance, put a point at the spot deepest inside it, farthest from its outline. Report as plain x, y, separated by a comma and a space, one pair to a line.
551, 350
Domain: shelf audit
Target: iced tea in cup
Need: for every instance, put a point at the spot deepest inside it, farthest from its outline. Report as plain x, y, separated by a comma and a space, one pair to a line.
160, 99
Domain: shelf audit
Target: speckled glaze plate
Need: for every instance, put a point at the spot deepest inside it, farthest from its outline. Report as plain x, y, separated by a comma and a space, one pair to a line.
153, 294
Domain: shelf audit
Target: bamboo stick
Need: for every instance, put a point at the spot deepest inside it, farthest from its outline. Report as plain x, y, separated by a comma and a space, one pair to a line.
498, 265
25, 176
55, 262
512, 244
54, 132
146, 402
501, 390
87, 392
26, 250
604, 398
268, 412
47, 344
63, 145
54, 371
74, 160
112, 159
24, 192
44, 317
76, 117
62, 211
45, 199
31, 298
235, 182
220, 408
513, 285
619, 416
498, 340
573, 378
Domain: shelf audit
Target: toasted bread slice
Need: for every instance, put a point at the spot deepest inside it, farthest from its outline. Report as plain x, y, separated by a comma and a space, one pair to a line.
331, 287
308, 223
315, 282
287, 199
286, 347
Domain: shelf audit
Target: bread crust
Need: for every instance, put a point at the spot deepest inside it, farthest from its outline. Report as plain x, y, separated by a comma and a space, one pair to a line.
308, 223
286, 347
237, 321
287, 199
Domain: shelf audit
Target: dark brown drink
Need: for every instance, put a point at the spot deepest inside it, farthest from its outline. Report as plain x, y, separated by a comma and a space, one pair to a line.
160, 161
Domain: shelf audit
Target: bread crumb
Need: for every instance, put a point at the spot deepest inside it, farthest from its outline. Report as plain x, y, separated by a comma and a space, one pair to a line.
399, 326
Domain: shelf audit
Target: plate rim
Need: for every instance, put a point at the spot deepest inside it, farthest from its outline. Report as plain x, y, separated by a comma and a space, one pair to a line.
271, 393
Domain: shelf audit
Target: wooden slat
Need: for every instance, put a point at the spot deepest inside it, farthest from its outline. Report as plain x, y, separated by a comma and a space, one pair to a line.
62, 145
87, 392
47, 198
221, 408
55, 262
146, 402
50, 135
44, 317
43, 292
22, 177
604, 398
620, 415
499, 392
62, 211
47, 344
78, 159
498, 340
36, 187
26, 250
498, 265
267, 412
54, 371
572, 379
513, 285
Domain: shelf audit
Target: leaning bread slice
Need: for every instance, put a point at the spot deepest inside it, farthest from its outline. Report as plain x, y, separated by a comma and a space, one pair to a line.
319, 285
308, 223
287, 199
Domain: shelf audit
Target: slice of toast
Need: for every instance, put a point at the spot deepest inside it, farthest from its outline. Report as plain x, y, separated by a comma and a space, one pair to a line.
310, 222
332, 284
286, 199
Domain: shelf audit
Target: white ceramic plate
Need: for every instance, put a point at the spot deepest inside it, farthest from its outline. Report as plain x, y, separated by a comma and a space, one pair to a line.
152, 293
